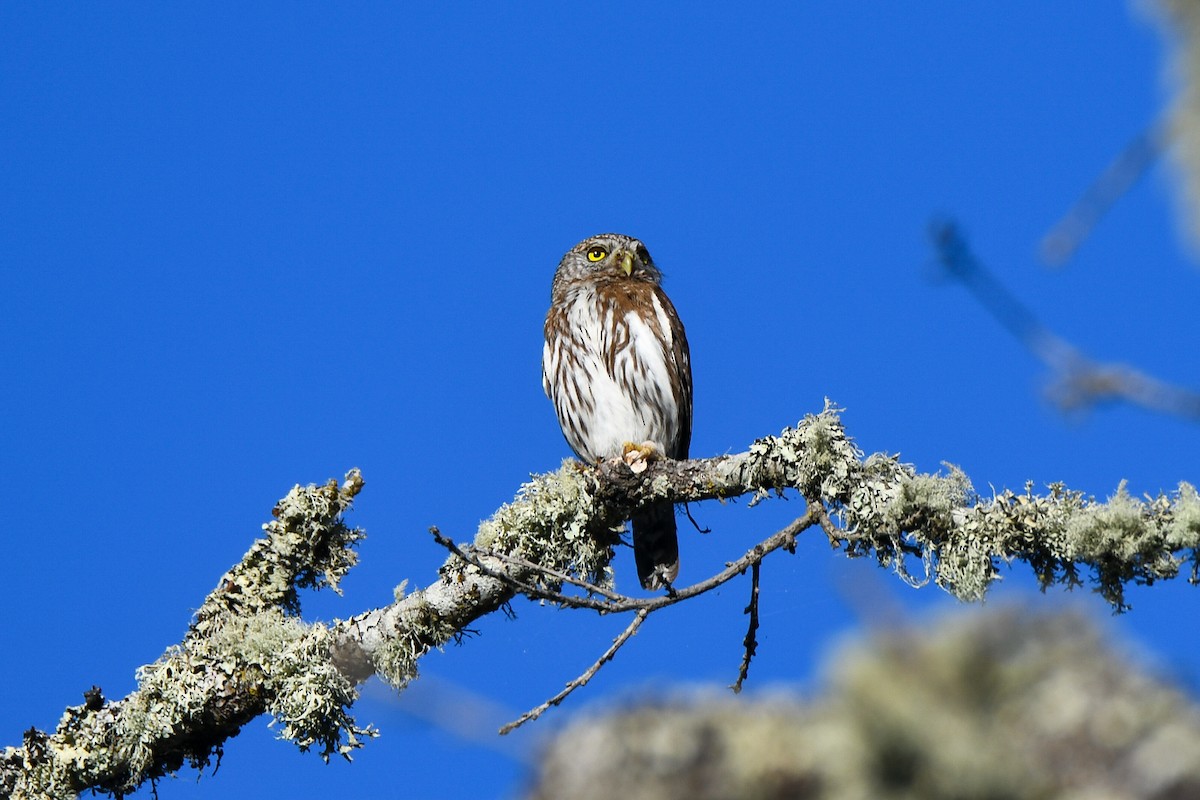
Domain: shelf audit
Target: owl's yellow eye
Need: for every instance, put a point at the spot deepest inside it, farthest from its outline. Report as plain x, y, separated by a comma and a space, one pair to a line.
597, 254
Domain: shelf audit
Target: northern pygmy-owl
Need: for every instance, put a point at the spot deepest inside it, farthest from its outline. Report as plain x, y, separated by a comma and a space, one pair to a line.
616, 365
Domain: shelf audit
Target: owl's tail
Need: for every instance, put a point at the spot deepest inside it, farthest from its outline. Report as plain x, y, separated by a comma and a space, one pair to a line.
656, 545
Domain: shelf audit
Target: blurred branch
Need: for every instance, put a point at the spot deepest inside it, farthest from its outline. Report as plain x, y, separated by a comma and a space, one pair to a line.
1062, 240
1078, 381
248, 653
985, 704
1181, 26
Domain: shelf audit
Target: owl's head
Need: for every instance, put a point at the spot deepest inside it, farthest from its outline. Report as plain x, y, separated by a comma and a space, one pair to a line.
608, 256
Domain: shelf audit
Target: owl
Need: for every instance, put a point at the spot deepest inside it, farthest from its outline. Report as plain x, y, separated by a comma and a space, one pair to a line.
616, 365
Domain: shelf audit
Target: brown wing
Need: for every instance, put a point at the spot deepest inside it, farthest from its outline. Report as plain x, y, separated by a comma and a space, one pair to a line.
682, 383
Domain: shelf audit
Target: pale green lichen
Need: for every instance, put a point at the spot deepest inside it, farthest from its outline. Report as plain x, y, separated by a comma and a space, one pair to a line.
816, 457
278, 659
946, 710
246, 654
306, 545
184, 700
711, 748
1125, 540
305, 692
1183, 529
553, 523
418, 628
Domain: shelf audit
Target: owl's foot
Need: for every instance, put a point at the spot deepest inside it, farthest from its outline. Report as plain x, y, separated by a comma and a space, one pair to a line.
639, 456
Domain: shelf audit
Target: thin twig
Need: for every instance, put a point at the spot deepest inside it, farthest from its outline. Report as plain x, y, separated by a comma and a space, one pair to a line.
556, 574
500, 575
582, 680
687, 510
783, 538
751, 640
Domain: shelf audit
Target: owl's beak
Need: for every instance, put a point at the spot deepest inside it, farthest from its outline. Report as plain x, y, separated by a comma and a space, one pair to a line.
627, 262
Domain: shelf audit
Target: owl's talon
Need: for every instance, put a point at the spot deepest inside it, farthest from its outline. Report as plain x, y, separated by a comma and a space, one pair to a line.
639, 456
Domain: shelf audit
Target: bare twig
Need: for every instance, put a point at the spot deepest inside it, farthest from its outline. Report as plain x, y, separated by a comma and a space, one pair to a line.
618, 603
751, 640
1065, 237
785, 538
1079, 382
524, 587
687, 510
582, 680
587, 586
832, 531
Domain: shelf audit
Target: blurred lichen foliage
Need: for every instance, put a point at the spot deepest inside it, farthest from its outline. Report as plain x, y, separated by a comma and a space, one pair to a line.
991, 705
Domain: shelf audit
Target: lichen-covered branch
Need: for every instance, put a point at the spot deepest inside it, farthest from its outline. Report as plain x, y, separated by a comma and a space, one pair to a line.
248, 653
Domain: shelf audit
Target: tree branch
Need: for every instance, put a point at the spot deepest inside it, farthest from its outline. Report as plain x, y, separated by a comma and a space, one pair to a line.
248, 653
1078, 381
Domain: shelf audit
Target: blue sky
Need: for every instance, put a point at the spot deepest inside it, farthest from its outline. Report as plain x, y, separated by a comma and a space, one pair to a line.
245, 247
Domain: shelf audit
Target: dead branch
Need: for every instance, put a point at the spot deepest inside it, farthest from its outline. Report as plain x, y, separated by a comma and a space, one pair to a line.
751, 640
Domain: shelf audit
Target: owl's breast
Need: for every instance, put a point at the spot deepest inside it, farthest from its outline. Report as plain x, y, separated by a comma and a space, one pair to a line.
608, 368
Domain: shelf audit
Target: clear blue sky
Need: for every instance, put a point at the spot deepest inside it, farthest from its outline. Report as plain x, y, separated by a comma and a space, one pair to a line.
247, 247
